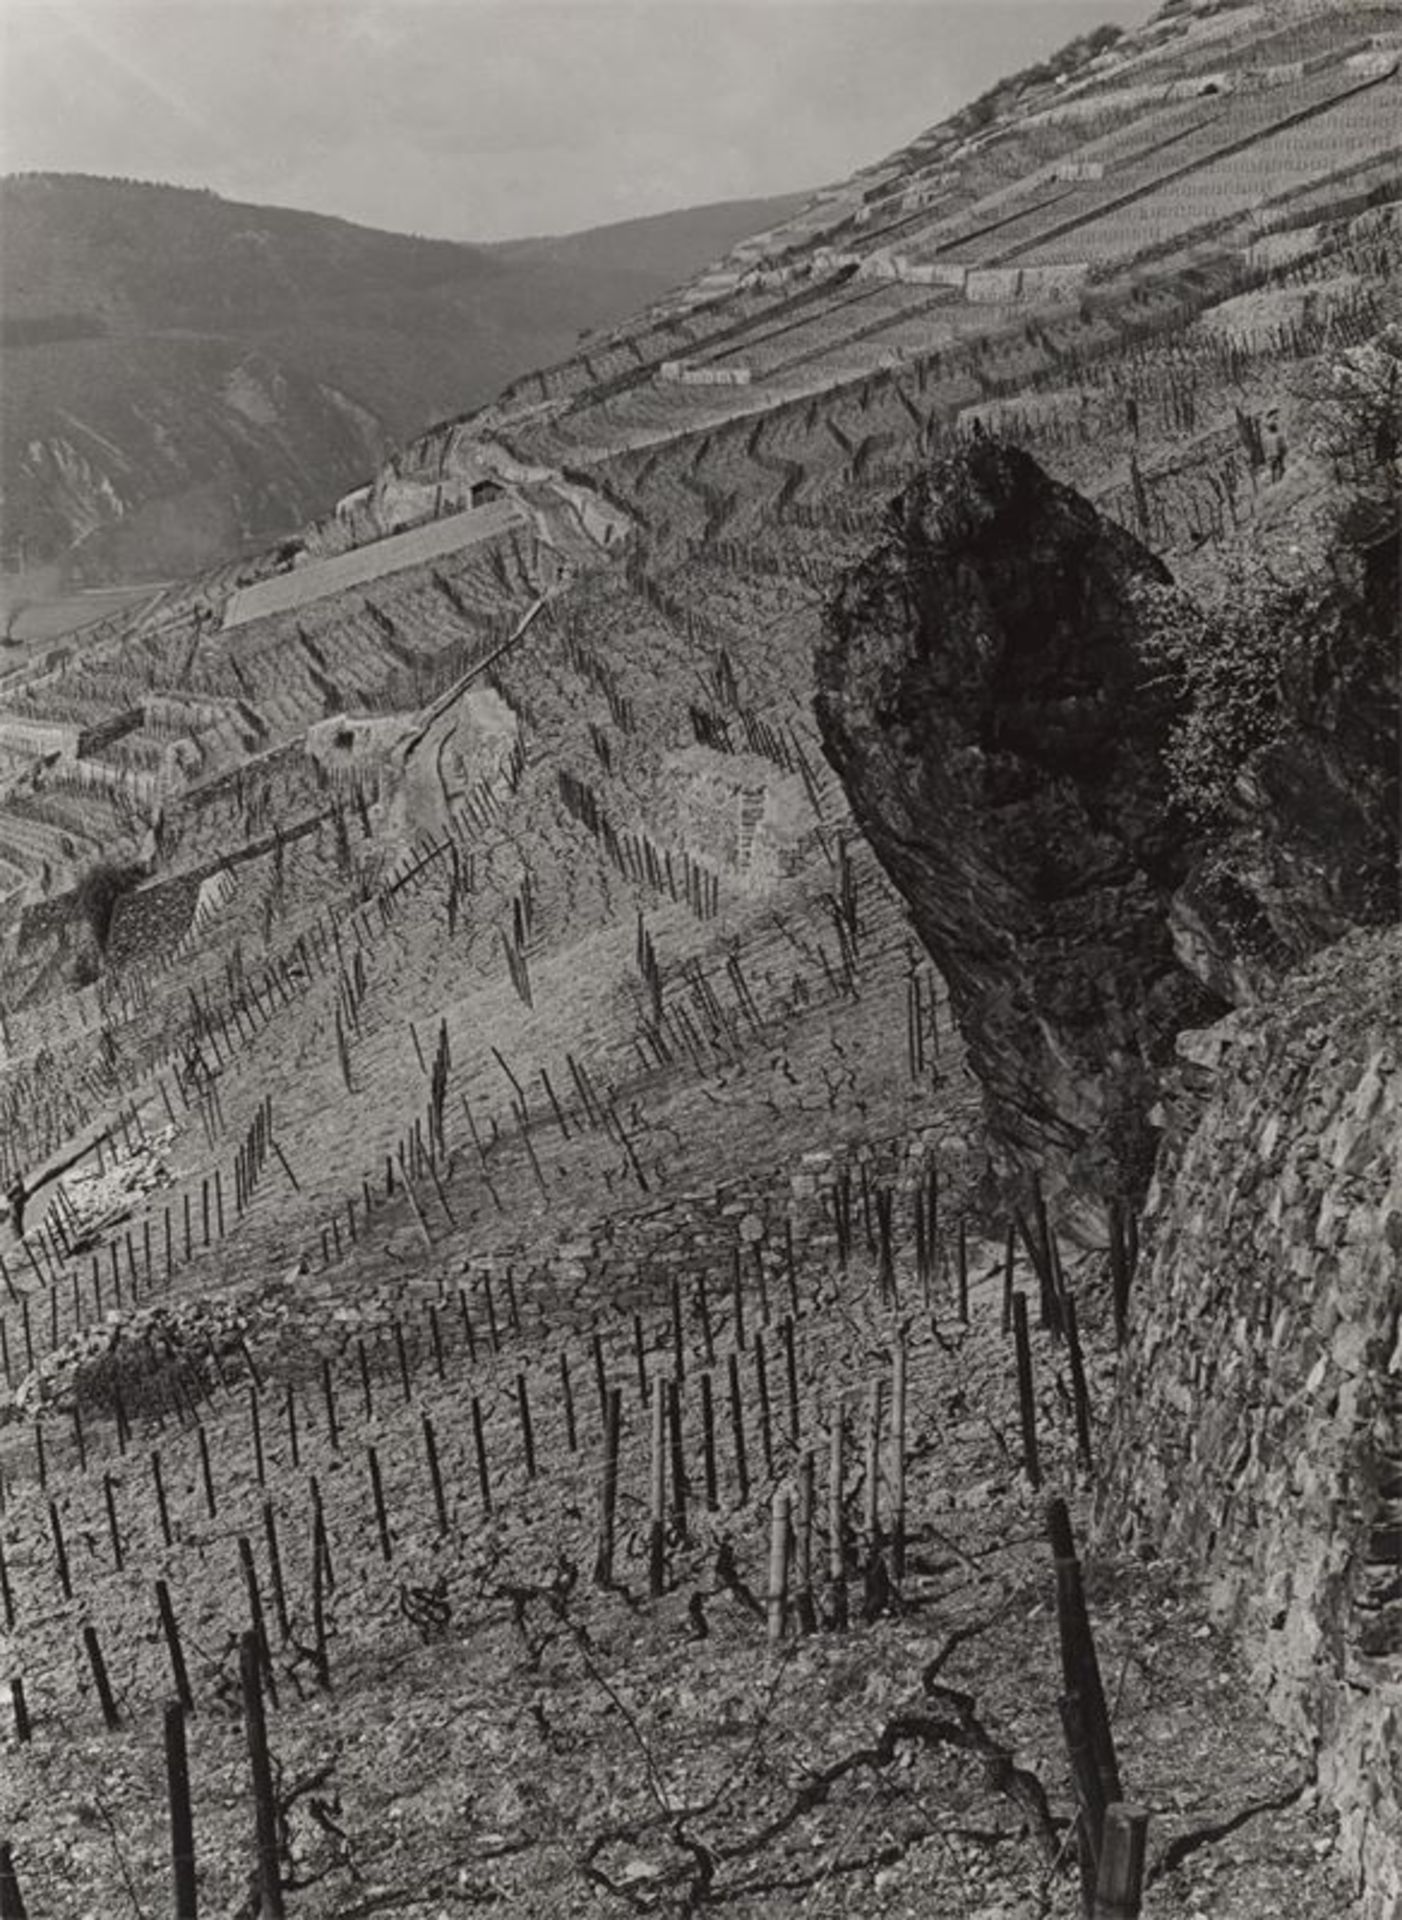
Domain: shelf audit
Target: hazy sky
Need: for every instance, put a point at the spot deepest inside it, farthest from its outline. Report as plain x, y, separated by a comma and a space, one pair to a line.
479, 119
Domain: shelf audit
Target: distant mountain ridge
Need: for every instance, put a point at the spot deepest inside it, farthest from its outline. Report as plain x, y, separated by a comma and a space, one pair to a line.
185, 376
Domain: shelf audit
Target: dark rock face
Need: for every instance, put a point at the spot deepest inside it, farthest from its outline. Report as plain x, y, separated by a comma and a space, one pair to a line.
986, 699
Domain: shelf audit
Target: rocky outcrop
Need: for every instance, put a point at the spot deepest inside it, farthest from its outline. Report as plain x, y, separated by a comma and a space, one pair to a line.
999, 698
986, 697
1258, 1423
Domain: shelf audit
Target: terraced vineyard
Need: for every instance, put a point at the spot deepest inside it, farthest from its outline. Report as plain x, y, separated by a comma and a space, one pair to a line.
504, 964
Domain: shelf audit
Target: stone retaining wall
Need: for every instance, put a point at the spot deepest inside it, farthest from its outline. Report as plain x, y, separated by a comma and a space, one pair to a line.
1259, 1424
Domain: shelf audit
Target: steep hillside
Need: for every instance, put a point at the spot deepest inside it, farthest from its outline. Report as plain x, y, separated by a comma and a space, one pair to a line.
502, 1041
184, 375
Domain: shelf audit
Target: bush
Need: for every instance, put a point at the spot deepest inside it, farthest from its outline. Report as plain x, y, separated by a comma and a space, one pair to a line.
1267, 651
1226, 660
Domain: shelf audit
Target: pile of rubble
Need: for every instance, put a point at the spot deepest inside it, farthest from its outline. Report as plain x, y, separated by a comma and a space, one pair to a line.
94, 1199
208, 1339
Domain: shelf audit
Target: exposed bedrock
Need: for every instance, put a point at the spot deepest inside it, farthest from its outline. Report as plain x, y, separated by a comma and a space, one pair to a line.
995, 695
985, 695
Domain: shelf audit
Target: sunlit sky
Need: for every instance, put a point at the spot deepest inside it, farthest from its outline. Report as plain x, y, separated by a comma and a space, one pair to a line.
482, 119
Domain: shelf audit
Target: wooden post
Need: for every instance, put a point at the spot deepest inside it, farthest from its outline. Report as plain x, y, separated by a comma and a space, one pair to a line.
1027, 1403
1079, 1664
206, 1472
292, 1441
608, 1488
319, 1533
60, 1551
1119, 1271
174, 1651
275, 1571
962, 1254
111, 1718
260, 1768
708, 1443
737, 1427
567, 1397
657, 1522
803, 1600
738, 1301
932, 1205
1120, 1887
523, 1408
378, 1492
114, 1532
762, 1284
703, 1309
366, 1395
762, 1388
435, 1475
255, 1614
479, 1446
1080, 1393
778, 1593
837, 1529
678, 1340
320, 1558
12, 1905
161, 1508
20, 1709
1090, 1794
791, 1378
640, 1359
328, 1394
678, 1453
898, 1398
255, 1422
401, 1353
1009, 1263
873, 1469
600, 1380
182, 1825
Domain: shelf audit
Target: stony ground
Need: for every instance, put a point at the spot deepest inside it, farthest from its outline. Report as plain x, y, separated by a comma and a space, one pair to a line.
500, 1731
503, 1733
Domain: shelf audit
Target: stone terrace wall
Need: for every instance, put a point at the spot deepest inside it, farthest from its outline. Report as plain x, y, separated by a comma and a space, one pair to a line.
1259, 1425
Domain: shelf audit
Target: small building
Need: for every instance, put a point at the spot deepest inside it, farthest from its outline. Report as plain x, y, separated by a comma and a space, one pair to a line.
1079, 170
38, 738
681, 373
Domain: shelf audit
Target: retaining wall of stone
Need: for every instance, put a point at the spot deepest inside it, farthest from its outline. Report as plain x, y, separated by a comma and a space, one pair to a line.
1258, 1430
